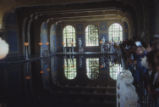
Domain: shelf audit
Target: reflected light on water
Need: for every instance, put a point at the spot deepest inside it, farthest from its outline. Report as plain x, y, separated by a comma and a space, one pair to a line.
70, 68
41, 72
114, 70
92, 68
27, 77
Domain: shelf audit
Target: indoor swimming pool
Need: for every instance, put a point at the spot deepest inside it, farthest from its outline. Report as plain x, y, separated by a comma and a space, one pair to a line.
62, 80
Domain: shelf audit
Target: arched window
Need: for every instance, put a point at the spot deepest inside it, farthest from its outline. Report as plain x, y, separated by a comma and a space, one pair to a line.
115, 33
69, 36
92, 68
114, 70
91, 35
70, 68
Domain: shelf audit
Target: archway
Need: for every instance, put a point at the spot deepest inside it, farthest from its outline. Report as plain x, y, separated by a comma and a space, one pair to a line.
44, 49
115, 33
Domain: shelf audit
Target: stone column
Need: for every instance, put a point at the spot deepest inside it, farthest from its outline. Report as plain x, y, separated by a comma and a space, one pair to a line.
155, 17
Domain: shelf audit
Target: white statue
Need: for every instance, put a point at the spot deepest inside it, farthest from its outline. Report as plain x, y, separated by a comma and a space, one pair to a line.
103, 40
80, 42
127, 96
80, 45
4, 49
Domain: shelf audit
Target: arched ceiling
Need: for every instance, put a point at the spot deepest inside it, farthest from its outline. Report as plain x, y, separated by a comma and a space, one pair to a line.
9, 5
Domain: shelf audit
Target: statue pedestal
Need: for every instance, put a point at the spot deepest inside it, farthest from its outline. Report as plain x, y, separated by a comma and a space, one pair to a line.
81, 50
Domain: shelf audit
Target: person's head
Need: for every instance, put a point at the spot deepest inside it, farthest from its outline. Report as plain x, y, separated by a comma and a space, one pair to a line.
139, 50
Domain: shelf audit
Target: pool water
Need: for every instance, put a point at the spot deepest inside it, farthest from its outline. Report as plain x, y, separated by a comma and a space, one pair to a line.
62, 80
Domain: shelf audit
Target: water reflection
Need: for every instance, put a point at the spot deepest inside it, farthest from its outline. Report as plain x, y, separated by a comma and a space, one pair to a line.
27, 69
95, 67
70, 68
28, 80
114, 70
33, 80
92, 68
54, 69
45, 71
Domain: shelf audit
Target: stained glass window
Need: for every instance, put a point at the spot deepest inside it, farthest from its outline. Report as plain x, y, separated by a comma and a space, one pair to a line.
114, 70
92, 68
115, 33
70, 68
69, 36
91, 35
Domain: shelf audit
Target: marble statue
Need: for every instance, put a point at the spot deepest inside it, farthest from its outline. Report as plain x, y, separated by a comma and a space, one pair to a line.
4, 49
80, 45
127, 96
80, 42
